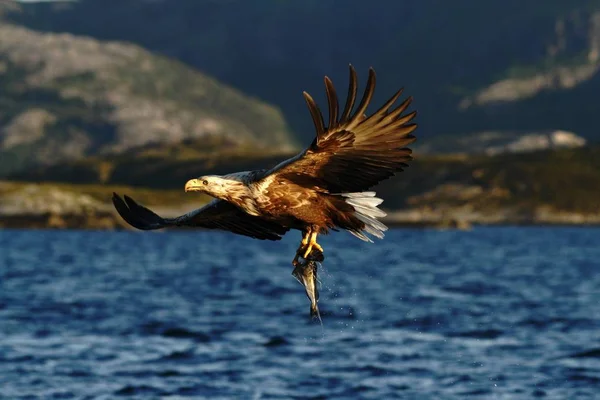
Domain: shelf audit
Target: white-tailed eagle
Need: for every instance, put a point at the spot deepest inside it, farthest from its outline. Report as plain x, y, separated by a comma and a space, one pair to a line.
325, 187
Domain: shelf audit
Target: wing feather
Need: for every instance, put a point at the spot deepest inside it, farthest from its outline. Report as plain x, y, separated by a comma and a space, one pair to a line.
333, 104
316, 114
354, 152
364, 103
352, 90
217, 214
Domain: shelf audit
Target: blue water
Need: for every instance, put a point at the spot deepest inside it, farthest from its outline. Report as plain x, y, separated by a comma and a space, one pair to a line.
492, 313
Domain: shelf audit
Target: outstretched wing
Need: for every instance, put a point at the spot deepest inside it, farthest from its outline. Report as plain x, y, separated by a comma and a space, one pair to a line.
354, 152
217, 214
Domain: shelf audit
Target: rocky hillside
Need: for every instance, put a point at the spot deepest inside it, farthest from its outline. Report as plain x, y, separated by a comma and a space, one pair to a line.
64, 97
473, 66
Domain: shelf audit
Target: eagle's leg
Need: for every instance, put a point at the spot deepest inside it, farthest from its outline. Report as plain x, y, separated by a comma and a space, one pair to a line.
303, 244
305, 239
312, 243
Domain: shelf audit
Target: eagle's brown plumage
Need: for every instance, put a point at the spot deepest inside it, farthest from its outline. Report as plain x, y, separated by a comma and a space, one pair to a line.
321, 188
353, 153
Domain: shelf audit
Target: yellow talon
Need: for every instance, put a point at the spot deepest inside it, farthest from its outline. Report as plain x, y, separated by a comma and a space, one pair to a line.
305, 239
304, 242
303, 245
308, 250
312, 243
309, 242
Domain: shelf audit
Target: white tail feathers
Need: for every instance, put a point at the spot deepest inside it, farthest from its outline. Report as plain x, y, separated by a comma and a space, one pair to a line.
365, 204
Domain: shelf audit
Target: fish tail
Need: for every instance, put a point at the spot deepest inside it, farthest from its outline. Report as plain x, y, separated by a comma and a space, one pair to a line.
314, 312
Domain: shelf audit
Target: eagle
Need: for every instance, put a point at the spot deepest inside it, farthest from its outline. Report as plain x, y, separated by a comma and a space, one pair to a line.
326, 187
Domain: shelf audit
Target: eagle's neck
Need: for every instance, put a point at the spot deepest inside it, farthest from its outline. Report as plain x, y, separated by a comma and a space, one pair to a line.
238, 193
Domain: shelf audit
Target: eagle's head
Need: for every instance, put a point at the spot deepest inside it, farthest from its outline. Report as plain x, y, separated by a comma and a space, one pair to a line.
221, 187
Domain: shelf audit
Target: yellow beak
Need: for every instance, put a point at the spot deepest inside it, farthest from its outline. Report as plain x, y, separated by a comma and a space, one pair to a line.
192, 185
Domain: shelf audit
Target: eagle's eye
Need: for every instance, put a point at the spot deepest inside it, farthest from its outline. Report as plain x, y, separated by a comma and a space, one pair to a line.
205, 182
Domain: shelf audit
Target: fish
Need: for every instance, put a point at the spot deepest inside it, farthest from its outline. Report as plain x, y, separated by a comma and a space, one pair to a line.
306, 273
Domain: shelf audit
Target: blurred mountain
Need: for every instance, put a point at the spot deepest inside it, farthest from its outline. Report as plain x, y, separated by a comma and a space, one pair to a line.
497, 142
472, 65
63, 97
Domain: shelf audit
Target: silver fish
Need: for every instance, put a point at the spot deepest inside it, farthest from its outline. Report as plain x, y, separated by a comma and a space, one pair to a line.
306, 273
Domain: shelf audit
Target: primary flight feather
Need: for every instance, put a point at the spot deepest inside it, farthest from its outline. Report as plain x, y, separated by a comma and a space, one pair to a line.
325, 187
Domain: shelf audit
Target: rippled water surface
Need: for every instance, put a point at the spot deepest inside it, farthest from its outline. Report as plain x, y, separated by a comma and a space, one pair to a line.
501, 313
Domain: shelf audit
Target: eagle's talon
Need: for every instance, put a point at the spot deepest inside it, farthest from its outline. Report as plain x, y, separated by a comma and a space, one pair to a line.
312, 244
316, 255
304, 241
308, 251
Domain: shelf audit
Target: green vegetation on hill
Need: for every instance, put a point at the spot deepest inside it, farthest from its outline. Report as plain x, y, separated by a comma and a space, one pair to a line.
563, 180
98, 193
60, 205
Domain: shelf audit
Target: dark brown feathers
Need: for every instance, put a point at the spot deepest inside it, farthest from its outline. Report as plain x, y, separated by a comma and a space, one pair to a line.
354, 152
352, 87
315, 113
217, 214
333, 103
